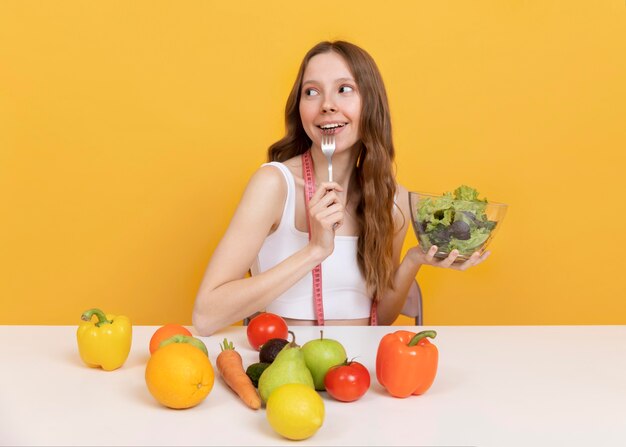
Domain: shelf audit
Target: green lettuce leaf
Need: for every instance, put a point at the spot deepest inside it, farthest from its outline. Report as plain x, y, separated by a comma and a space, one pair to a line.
436, 215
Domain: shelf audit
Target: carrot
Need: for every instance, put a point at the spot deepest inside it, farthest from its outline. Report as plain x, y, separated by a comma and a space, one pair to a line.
230, 366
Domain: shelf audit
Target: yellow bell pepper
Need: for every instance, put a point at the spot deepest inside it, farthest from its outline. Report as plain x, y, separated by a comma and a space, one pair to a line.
105, 343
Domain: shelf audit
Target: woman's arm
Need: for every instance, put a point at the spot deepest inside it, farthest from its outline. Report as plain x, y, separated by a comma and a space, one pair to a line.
392, 302
226, 295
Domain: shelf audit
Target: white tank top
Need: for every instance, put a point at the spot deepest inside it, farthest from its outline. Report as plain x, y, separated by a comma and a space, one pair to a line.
343, 286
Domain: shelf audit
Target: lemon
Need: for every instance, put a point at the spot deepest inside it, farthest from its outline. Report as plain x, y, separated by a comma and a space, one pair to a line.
295, 411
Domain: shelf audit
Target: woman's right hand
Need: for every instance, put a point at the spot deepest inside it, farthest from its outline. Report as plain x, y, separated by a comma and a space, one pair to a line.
326, 214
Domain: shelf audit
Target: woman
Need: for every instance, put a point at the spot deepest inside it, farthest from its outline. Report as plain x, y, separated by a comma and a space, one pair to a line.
353, 226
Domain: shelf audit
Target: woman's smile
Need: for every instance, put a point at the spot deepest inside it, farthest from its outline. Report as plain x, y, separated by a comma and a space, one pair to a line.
332, 128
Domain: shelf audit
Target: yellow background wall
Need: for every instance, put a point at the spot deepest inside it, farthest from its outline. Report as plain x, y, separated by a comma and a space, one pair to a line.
128, 131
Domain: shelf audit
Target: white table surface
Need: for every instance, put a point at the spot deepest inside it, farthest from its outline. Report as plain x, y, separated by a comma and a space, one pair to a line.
496, 386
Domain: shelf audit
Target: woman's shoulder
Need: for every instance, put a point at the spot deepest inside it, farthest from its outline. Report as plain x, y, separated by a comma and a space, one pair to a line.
265, 194
294, 165
272, 170
267, 179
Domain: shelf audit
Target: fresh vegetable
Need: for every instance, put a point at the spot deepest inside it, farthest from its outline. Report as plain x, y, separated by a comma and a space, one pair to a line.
255, 370
264, 327
406, 363
105, 343
348, 381
165, 332
270, 349
230, 366
454, 221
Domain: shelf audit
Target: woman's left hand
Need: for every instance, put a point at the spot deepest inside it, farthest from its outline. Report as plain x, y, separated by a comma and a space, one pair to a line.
419, 257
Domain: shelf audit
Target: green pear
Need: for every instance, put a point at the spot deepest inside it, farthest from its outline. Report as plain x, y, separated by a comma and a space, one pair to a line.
320, 355
287, 367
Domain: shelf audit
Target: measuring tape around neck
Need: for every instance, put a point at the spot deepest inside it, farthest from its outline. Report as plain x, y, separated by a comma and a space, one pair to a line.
309, 190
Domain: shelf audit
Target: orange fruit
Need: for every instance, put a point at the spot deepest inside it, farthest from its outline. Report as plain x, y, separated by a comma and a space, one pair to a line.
179, 375
165, 332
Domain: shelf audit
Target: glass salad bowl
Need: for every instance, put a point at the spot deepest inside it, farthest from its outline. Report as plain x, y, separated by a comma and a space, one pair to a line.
458, 220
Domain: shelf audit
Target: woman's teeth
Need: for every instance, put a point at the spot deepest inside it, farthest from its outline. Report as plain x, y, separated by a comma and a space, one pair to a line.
331, 128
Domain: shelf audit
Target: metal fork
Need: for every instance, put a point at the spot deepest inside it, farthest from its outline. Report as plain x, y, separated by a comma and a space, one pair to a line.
328, 148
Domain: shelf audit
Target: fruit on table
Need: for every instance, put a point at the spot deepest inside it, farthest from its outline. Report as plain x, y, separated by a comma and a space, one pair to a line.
320, 355
179, 375
264, 327
270, 349
348, 381
105, 343
230, 366
295, 411
165, 332
288, 367
193, 341
406, 362
254, 371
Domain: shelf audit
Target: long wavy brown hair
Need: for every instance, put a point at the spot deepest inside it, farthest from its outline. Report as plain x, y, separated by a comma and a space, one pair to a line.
373, 180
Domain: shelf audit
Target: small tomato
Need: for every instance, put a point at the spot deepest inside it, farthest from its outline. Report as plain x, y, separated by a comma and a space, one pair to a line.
347, 381
264, 327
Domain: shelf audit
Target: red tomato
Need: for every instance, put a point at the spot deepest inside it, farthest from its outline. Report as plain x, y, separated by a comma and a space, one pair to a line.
347, 382
264, 327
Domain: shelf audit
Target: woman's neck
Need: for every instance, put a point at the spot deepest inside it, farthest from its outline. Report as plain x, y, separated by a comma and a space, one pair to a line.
343, 166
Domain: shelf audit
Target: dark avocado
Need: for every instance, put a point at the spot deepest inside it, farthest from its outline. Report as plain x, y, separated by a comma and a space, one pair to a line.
270, 349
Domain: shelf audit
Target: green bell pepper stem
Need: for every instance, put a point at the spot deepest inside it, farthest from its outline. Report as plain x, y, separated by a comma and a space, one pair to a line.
102, 319
420, 335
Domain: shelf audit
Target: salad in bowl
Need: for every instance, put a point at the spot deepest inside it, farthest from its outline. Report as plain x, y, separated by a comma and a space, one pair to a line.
455, 220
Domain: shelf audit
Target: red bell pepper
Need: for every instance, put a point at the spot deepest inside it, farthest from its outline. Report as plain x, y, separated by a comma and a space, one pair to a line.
406, 362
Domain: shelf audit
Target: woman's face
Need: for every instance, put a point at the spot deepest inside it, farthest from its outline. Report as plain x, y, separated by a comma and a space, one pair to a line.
330, 102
